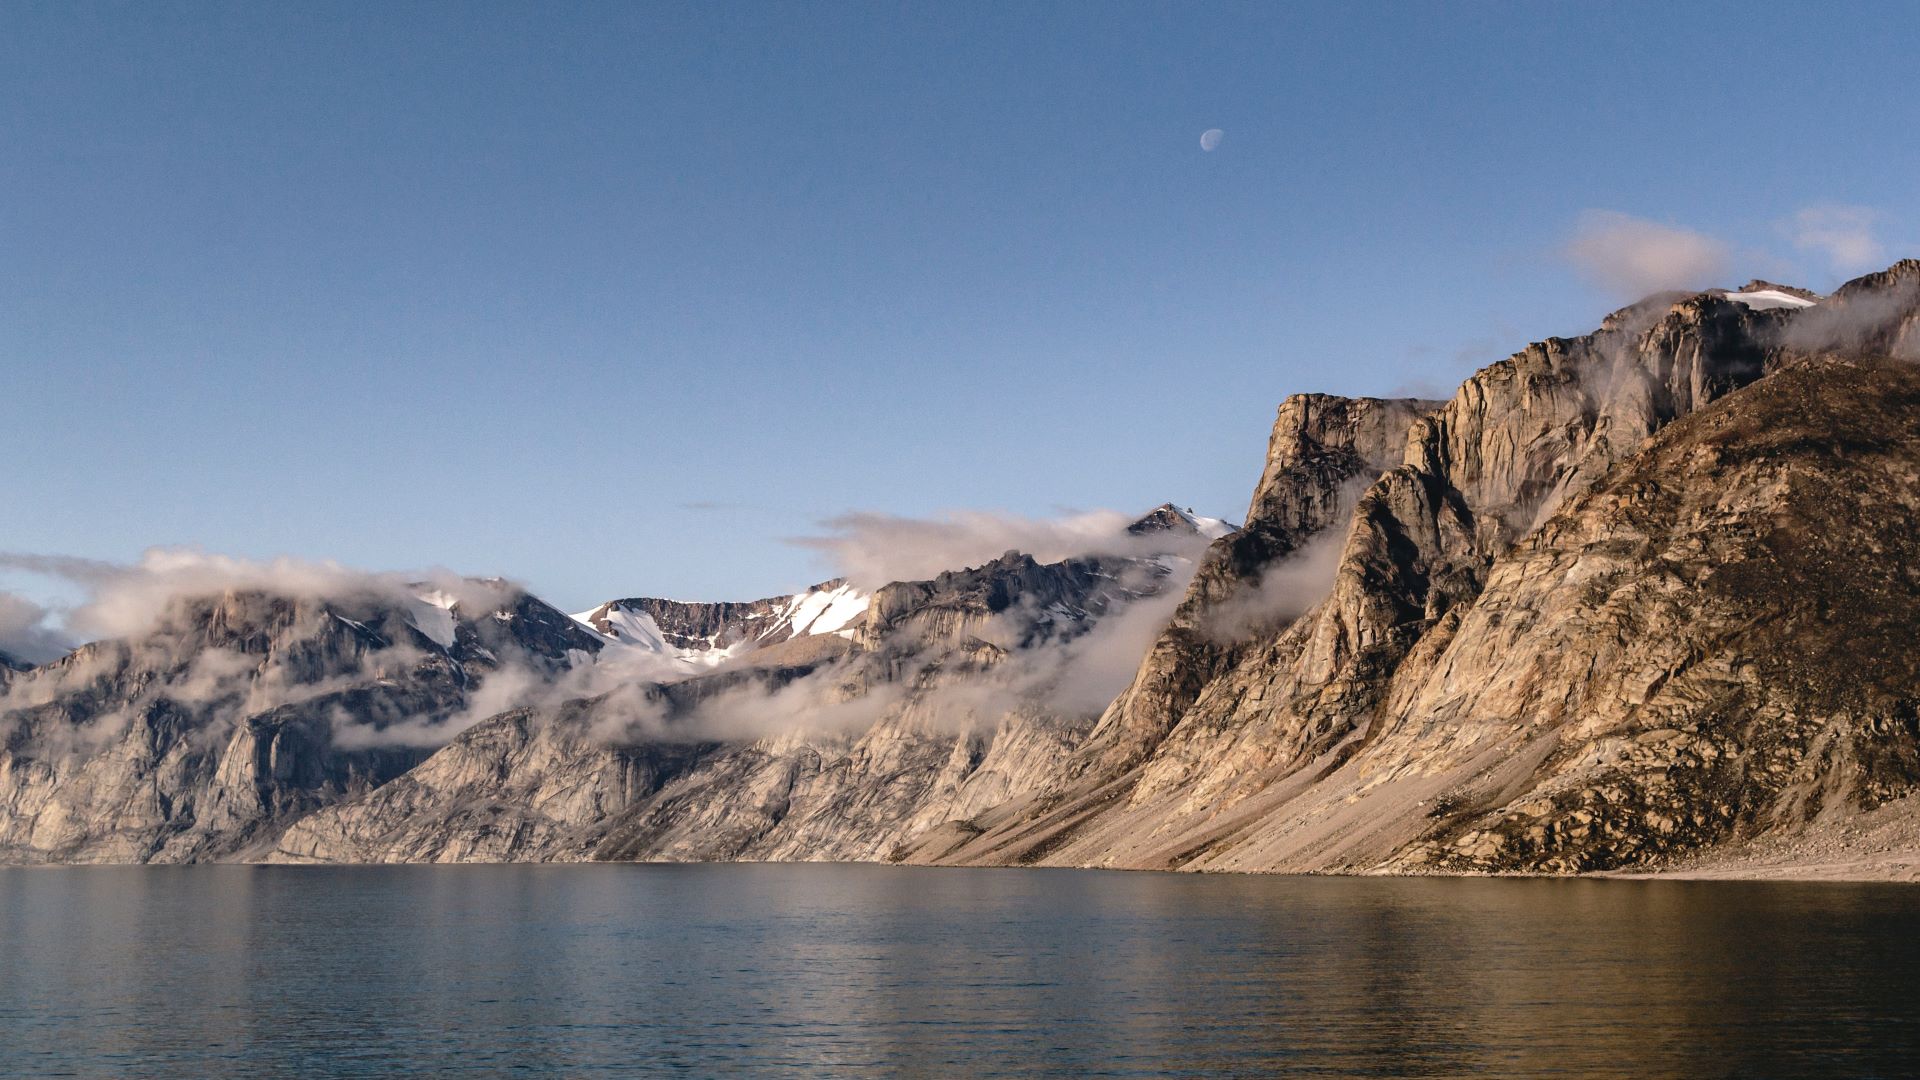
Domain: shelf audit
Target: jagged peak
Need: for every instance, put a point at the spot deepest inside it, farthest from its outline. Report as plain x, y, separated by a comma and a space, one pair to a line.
1877, 314
1900, 273
1642, 312
1169, 517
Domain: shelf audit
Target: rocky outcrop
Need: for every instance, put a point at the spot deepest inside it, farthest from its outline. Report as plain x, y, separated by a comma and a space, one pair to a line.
1323, 450
525, 786
1392, 727
10, 667
1714, 643
1876, 315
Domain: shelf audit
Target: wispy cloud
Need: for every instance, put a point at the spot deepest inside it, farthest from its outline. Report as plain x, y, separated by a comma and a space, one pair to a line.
124, 599
1632, 257
872, 549
27, 632
1847, 237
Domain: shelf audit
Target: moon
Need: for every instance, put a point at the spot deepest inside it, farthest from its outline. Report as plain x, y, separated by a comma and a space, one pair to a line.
1210, 138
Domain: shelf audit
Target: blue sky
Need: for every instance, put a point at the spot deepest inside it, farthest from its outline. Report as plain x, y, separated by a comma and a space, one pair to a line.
612, 299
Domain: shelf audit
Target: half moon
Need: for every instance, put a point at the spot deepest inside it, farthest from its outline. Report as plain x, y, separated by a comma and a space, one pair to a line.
1210, 138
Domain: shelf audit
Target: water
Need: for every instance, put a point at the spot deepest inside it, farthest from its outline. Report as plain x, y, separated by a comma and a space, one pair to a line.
860, 970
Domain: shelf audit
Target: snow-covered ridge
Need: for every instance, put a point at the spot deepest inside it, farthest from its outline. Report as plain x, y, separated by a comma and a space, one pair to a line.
1210, 527
823, 610
696, 636
1765, 299
831, 608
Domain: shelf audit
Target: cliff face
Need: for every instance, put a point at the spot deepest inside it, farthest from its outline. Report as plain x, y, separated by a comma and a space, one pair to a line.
1511, 671
1322, 452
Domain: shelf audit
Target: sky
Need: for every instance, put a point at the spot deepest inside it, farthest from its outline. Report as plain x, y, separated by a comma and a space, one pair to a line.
623, 299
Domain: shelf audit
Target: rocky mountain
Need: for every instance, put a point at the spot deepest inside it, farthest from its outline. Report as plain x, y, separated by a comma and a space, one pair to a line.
238, 712
1168, 518
952, 695
1638, 600
1600, 615
694, 636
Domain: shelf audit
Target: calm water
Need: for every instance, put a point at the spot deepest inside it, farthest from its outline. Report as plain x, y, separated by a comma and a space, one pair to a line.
835, 970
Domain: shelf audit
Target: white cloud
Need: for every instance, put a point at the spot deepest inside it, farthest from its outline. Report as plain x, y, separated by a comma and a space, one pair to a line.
124, 600
1284, 591
1631, 257
873, 549
1844, 235
26, 632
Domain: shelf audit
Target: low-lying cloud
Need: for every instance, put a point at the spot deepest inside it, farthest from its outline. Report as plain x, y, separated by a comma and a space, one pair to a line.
126, 599
1285, 590
1023, 661
872, 549
1076, 671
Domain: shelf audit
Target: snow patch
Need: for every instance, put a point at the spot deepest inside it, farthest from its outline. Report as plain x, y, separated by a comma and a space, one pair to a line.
431, 613
1766, 299
829, 610
631, 629
822, 611
1210, 527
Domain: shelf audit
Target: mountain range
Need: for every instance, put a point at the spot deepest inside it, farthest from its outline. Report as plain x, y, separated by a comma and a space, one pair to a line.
1638, 601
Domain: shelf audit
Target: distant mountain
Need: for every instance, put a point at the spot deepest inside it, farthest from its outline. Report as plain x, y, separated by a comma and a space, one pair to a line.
240, 713
694, 636
1169, 518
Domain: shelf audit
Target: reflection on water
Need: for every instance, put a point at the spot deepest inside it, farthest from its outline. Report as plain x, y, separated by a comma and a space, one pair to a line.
250, 971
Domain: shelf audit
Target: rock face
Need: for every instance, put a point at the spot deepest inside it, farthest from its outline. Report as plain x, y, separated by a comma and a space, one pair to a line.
947, 702
693, 636
1642, 599
1322, 450
1576, 628
240, 712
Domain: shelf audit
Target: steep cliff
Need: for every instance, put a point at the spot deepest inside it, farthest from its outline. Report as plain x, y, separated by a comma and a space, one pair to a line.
1466, 700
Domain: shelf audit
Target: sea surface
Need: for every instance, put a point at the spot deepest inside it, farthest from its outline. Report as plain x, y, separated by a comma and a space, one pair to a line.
820, 970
